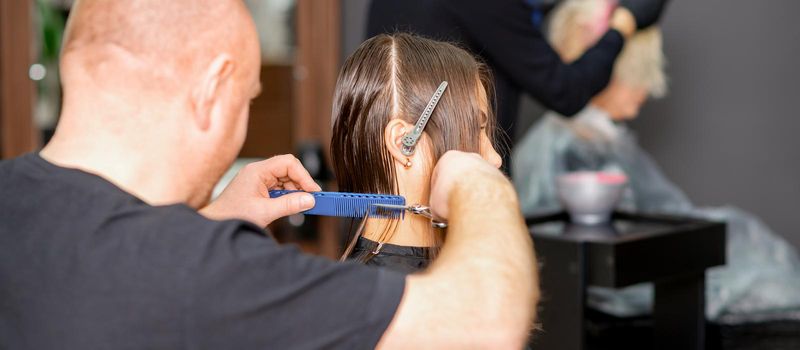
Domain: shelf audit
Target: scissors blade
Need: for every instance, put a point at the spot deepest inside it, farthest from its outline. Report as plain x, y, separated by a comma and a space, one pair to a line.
419, 210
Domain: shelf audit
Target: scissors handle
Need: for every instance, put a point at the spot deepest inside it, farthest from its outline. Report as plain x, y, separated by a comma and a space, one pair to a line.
426, 212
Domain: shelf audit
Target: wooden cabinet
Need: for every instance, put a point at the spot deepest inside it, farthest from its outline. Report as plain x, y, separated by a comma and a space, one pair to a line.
270, 129
316, 68
17, 132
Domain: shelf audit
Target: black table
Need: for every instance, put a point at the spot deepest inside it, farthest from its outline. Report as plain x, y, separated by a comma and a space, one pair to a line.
672, 252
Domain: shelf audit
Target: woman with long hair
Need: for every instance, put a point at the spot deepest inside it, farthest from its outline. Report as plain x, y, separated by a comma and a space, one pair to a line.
382, 92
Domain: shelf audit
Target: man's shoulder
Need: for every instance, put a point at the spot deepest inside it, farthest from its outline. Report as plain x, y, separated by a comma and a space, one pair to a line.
13, 166
172, 219
94, 206
175, 233
44, 204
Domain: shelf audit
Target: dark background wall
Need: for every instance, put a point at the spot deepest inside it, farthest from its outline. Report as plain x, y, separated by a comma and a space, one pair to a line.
354, 24
728, 131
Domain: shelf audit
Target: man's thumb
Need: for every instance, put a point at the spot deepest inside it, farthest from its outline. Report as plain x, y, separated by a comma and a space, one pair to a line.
289, 204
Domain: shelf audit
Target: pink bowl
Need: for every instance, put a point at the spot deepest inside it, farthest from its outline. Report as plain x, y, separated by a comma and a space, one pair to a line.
590, 197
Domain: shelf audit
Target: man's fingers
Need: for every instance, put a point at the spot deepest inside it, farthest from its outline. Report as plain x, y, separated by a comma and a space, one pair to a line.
447, 172
300, 176
288, 204
285, 166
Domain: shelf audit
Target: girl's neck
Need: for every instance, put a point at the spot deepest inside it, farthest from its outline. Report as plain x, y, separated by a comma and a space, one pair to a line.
413, 230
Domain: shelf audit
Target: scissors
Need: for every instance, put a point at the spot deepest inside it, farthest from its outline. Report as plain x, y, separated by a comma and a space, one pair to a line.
416, 209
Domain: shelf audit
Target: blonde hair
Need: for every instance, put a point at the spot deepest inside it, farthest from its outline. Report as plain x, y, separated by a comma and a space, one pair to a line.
641, 62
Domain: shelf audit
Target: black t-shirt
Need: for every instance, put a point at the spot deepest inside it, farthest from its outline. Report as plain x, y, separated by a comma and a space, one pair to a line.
85, 265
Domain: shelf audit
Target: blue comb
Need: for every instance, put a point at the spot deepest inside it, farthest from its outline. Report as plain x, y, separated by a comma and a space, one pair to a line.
351, 205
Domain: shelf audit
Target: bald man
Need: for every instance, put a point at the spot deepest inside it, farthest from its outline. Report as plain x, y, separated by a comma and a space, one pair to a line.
107, 241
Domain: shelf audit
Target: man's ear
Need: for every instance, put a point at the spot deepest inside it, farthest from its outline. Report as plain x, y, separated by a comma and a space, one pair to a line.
208, 93
393, 138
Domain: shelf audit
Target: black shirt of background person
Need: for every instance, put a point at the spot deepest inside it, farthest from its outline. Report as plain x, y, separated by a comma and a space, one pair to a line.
502, 33
85, 265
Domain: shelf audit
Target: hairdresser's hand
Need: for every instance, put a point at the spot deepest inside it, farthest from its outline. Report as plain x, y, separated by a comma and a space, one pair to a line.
247, 196
459, 176
623, 21
646, 12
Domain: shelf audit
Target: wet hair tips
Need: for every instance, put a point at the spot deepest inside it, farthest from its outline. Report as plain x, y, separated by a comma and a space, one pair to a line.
394, 77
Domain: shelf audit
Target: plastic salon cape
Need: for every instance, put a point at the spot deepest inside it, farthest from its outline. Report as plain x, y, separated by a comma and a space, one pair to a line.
762, 277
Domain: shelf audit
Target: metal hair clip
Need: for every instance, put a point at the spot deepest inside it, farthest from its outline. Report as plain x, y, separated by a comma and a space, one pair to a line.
410, 139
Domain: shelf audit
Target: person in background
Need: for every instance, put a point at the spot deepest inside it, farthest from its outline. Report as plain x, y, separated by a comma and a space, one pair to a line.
506, 34
762, 273
107, 239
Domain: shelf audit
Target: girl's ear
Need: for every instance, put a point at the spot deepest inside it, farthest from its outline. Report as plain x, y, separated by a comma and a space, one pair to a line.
393, 136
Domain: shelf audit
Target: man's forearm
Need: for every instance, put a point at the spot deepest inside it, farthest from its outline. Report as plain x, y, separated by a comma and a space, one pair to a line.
482, 290
489, 256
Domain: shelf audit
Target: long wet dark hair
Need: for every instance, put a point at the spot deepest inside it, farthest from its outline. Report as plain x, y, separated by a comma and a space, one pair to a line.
394, 76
